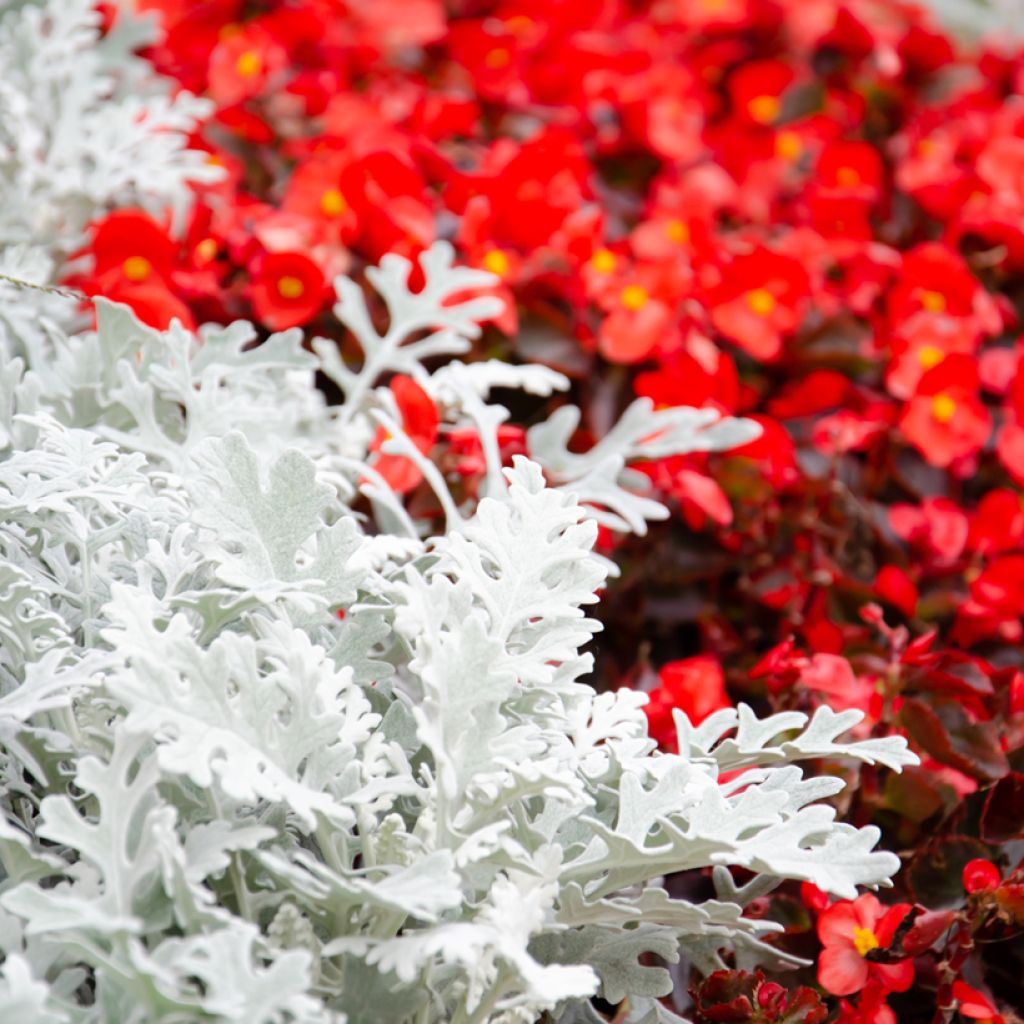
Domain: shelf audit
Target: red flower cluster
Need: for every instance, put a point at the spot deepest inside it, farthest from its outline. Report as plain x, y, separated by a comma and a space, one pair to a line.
811, 213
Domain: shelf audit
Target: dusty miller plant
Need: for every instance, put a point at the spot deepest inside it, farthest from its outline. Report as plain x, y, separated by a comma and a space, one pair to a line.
84, 125
222, 801
1001, 21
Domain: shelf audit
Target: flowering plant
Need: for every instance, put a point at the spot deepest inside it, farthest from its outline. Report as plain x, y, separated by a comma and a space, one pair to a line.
806, 216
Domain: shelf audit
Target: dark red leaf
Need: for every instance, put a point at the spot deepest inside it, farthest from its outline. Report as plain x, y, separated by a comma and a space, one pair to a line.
944, 731
1002, 818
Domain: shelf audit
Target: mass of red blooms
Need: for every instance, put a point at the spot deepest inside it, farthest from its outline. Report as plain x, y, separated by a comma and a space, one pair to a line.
810, 212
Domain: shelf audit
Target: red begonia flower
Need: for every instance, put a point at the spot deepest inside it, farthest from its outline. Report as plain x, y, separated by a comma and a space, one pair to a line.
946, 420
975, 1005
288, 289
694, 685
420, 421
760, 302
848, 932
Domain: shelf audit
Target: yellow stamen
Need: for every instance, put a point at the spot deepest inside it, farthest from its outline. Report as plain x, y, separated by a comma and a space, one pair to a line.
249, 64
929, 356
764, 109
678, 231
943, 408
206, 250
332, 203
864, 940
788, 145
289, 287
634, 297
847, 177
496, 262
137, 268
934, 302
603, 261
498, 58
761, 301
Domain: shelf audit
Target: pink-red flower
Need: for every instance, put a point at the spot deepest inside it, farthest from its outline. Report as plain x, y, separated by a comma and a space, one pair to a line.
420, 421
288, 289
946, 420
760, 302
694, 685
851, 930
975, 1005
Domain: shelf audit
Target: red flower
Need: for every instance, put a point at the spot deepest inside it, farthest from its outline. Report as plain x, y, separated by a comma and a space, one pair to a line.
936, 279
315, 191
923, 342
420, 421
892, 584
870, 1008
945, 420
853, 169
832, 675
756, 89
637, 324
760, 302
849, 931
242, 63
975, 1005
134, 260
130, 244
694, 685
700, 374
773, 451
939, 525
287, 290
1000, 586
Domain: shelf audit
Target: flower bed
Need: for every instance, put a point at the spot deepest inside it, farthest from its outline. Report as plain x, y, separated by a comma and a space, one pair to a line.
806, 216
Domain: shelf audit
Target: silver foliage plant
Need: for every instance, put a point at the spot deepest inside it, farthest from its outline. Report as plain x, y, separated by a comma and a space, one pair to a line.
223, 801
1001, 22
84, 125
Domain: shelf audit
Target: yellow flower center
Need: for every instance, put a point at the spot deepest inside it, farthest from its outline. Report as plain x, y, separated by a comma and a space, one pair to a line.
847, 177
603, 261
289, 287
934, 302
764, 109
498, 58
249, 64
864, 940
761, 301
634, 297
137, 268
496, 262
943, 408
929, 356
332, 203
206, 250
788, 145
678, 231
